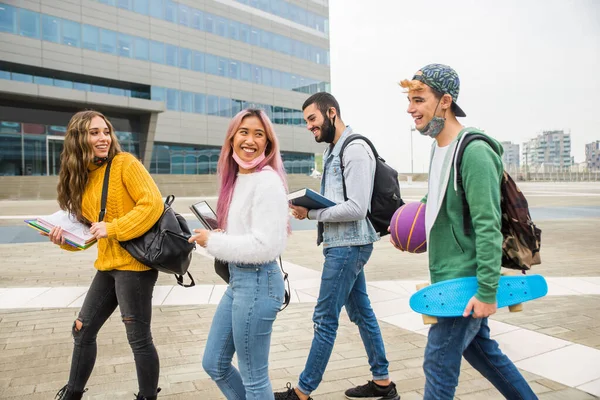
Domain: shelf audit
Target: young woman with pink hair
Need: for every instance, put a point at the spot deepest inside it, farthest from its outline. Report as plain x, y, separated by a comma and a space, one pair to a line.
252, 213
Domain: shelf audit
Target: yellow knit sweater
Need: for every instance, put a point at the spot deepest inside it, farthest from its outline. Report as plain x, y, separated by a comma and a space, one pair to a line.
133, 206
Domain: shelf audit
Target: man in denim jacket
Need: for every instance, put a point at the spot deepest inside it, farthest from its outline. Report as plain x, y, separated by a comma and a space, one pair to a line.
347, 237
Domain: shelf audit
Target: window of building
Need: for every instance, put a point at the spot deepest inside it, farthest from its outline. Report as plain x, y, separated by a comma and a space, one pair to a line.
173, 99
8, 19
157, 93
108, 40
187, 102
223, 67
125, 48
29, 23
126, 4
157, 52
90, 37
141, 48
221, 26
225, 107
234, 70
198, 61
184, 15
234, 30
140, 6
185, 58
246, 72
212, 105
82, 86
211, 64
199, 103
21, 77
41, 80
50, 28
197, 20
170, 11
99, 89
171, 52
155, 9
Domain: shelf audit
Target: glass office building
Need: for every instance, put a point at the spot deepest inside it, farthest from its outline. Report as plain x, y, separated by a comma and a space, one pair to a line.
169, 75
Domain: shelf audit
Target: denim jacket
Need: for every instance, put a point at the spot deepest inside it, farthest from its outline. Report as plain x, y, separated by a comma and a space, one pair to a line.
337, 234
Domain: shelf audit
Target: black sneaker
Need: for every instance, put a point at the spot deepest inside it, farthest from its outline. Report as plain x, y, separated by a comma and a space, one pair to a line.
371, 391
289, 394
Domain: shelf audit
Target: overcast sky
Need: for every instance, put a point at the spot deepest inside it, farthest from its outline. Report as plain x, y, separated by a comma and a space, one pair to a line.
524, 65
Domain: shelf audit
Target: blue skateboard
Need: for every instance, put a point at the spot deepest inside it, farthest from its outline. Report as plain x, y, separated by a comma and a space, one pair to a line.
449, 298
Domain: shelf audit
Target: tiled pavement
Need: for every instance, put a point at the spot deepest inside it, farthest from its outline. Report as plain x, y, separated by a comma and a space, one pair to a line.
555, 339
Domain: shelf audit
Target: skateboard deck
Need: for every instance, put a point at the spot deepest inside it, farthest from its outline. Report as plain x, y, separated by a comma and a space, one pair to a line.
449, 298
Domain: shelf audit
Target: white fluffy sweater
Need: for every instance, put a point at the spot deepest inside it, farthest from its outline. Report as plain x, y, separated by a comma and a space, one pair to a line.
257, 221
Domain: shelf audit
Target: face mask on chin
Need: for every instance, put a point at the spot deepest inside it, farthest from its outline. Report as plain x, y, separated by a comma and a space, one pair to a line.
435, 126
248, 164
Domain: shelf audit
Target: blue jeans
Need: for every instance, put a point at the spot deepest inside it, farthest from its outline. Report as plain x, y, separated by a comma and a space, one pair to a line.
343, 283
452, 338
243, 323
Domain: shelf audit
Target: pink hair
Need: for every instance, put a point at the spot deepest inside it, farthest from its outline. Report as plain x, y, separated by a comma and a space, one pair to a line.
227, 168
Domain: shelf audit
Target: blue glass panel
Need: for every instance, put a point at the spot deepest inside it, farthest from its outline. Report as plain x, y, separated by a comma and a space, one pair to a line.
99, 89
157, 52
29, 23
276, 79
173, 99
212, 105
197, 20
63, 84
82, 86
221, 26
184, 15
246, 72
140, 6
40, 80
141, 47
236, 106
126, 4
234, 70
4, 75
256, 74
108, 40
265, 40
170, 11
157, 93
116, 91
266, 76
224, 107
187, 102
209, 23
8, 19
50, 28
211, 64
198, 61
125, 46
234, 30
71, 33
254, 36
21, 77
90, 37
223, 67
244, 33
199, 103
156, 9
185, 58
171, 52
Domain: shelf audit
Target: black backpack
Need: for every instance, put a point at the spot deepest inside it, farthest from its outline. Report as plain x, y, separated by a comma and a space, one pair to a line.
165, 245
521, 238
385, 199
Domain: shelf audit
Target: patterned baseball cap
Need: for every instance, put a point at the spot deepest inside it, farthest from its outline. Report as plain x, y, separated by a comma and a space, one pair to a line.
443, 79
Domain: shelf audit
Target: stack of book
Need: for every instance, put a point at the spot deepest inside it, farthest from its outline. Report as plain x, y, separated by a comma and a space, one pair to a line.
75, 233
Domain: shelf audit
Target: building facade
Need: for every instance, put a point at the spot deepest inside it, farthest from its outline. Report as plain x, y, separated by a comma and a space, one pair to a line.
168, 74
551, 149
592, 156
510, 157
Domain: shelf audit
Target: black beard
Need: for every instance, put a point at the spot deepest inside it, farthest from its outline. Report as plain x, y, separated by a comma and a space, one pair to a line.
327, 132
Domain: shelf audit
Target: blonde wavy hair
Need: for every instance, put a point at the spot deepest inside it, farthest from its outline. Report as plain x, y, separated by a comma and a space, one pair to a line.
412, 86
75, 159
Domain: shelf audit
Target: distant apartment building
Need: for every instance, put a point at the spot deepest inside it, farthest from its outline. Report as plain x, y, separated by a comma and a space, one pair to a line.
551, 149
510, 158
592, 155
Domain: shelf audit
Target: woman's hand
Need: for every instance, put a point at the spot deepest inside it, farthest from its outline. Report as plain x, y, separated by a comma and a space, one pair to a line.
98, 229
55, 235
201, 237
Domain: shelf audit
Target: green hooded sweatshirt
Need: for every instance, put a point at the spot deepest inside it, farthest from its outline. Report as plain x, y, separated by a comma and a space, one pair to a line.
452, 254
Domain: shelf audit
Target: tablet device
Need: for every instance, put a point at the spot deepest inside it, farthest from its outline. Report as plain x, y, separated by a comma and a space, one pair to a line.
205, 214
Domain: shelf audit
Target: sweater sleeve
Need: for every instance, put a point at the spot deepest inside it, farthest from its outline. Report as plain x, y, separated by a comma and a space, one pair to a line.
482, 172
268, 231
148, 203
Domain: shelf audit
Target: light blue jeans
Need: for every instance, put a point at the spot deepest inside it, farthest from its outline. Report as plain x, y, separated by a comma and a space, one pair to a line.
343, 284
243, 323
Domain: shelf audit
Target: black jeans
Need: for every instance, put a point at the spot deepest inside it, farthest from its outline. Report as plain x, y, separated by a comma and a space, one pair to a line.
132, 292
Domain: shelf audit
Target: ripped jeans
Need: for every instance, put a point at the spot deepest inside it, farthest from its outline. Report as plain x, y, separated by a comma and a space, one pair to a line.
132, 292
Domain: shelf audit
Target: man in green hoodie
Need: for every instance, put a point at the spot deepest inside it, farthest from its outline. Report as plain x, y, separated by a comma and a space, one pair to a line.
432, 94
